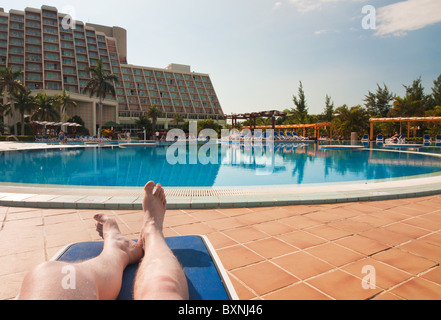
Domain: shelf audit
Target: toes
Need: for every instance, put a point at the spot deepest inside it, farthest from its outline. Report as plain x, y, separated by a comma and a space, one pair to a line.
100, 217
149, 187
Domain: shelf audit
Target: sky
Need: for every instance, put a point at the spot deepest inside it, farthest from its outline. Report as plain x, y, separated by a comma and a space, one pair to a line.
257, 51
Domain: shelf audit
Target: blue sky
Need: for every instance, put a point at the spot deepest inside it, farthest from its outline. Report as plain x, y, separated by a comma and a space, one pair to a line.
257, 51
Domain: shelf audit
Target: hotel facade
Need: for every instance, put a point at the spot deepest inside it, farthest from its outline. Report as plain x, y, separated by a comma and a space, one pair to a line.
54, 53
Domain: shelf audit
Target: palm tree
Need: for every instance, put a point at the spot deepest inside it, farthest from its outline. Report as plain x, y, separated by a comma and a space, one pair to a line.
177, 118
65, 101
349, 120
100, 84
10, 83
154, 113
25, 103
45, 108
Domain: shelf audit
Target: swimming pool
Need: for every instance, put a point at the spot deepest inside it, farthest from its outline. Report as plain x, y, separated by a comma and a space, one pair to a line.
237, 165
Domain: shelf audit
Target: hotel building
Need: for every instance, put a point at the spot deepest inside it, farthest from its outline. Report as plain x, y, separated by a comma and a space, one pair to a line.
55, 57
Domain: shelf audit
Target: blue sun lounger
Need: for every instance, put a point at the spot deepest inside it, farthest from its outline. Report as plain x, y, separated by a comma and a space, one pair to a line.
206, 277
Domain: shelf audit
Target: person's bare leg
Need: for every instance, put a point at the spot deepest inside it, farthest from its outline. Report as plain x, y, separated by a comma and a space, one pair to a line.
97, 278
160, 275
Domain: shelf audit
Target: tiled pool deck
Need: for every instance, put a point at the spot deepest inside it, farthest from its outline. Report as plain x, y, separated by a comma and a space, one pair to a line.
306, 251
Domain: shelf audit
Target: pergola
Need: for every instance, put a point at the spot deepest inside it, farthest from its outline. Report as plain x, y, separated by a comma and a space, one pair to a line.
316, 127
401, 119
254, 115
273, 114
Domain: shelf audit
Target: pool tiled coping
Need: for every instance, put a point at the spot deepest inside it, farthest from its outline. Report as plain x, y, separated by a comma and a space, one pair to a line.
115, 198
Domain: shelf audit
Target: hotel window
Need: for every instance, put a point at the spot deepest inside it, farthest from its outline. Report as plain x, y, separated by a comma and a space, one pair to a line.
17, 34
53, 86
33, 76
51, 56
32, 32
16, 59
17, 42
16, 50
51, 47
50, 30
50, 38
69, 70
147, 73
17, 26
68, 61
33, 57
33, 40
33, 24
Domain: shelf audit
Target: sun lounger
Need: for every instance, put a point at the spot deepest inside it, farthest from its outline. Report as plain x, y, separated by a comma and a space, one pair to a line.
427, 139
380, 138
206, 277
438, 139
365, 138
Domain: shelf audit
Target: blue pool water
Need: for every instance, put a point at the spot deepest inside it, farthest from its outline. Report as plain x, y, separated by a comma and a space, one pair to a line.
235, 166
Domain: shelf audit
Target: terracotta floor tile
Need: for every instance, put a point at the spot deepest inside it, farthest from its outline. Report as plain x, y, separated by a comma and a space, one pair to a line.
298, 291
373, 220
351, 225
362, 245
343, 212
391, 215
230, 212
362, 207
245, 234
410, 212
269, 277
424, 223
422, 206
433, 275
219, 240
327, 232
302, 264
301, 239
237, 256
407, 230
300, 222
177, 220
418, 289
423, 248
270, 247
323, 216
334, 254
405, 261
385, 236
342, 286
273, 228
243, 292
387, 296
207, 215
385, 275
225, 223
253, 218
194, 228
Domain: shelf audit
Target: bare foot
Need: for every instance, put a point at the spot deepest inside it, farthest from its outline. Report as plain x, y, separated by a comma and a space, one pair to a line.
154, 206
113, 239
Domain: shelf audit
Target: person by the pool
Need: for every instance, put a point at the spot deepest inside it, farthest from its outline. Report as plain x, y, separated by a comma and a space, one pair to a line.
159, 276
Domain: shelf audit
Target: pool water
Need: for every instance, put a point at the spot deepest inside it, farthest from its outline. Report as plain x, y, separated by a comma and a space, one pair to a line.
236, 165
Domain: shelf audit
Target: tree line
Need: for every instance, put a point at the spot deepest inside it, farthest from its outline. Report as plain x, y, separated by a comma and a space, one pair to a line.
381, 103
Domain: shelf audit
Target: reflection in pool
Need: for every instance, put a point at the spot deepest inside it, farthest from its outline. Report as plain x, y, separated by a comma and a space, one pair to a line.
232, 165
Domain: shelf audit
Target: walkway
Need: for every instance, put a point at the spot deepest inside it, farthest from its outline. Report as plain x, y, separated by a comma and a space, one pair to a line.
291, 252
